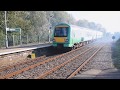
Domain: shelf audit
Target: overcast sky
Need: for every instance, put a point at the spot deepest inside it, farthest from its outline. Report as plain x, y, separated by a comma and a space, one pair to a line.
110, 20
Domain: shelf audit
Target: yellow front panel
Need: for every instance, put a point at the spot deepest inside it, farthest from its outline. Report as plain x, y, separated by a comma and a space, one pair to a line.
60, 39
61, 26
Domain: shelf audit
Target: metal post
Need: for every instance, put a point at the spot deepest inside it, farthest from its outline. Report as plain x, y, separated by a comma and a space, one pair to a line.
6, 39
49, 28
49, 31
38, 39
49, 35
20, 38
27, 38
13, 40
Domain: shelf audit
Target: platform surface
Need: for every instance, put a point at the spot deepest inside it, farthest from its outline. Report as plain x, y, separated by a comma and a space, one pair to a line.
23, 48
99, 74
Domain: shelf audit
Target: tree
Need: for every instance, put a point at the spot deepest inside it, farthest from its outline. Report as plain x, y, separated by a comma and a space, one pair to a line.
34, 24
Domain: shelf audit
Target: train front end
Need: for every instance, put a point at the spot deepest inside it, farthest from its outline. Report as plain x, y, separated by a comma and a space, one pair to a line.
61, 36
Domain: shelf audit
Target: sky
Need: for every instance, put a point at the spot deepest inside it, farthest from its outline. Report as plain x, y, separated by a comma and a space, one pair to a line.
110, 20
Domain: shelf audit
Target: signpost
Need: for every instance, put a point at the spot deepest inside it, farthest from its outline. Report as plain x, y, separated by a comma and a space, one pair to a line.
49, 32
49, 36
6, 38
10, 29
113, 37
15, 30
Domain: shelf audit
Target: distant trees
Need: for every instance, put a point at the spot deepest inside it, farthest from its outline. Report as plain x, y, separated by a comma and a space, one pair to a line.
117, 35
91, 25
61, 17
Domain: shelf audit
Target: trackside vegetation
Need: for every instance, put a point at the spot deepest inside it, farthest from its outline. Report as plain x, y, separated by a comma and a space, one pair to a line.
116, 53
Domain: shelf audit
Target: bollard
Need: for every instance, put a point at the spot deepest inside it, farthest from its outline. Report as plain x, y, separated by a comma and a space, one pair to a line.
33, 55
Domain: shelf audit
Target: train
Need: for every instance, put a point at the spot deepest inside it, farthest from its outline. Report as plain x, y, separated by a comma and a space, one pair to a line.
72, 36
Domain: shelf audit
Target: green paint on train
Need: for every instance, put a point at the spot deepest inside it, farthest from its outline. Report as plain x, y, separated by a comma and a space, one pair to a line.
65, 35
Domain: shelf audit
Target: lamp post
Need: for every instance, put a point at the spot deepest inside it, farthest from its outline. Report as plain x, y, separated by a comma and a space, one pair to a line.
49, 36
49, 28
20, 38
6, 39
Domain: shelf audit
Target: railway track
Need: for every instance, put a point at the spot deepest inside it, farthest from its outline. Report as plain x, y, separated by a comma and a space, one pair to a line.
18, 64
71, 67
41, 69
83, 64
61, 65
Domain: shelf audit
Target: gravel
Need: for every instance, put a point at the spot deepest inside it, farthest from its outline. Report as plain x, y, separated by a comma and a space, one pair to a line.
63, 72
47, 66
102, 60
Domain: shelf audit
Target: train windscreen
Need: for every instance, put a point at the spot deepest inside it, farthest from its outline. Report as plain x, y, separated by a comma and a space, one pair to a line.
61, 32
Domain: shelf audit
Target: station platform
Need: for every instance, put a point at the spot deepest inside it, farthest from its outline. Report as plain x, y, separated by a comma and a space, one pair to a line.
99, 74
10, 50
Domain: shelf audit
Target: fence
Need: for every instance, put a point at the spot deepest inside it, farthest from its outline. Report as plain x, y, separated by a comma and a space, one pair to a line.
14, 40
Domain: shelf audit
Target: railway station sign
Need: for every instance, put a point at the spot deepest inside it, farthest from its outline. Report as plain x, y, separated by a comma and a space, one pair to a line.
13, 29
113, 37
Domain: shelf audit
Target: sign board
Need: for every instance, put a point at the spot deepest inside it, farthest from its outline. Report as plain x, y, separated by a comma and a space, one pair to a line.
7, 29
113, 37
13, 29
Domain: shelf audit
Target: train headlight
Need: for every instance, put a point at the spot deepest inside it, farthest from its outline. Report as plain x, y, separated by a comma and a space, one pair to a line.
66, 40
53, 40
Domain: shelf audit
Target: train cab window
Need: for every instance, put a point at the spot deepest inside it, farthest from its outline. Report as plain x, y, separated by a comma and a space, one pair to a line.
61, 32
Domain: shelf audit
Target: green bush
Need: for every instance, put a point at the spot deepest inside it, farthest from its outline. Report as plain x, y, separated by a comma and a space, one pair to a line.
2, 40
116, 54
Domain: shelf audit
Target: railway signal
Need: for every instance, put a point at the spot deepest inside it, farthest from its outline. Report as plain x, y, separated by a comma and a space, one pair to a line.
113, 37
